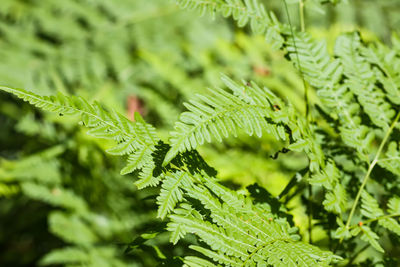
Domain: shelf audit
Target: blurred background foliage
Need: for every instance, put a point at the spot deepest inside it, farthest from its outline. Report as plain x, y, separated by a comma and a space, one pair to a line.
62, 200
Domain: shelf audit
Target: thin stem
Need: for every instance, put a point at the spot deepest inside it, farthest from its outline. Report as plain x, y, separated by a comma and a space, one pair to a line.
306, 99
301, 13
310, 211
377, 219
307, 108
367, 175
303, 29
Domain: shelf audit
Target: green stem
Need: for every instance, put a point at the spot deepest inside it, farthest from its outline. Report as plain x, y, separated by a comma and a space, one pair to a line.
310, 211
367, 175
306, 100
302, 23
377, 219
301, 13
303, 29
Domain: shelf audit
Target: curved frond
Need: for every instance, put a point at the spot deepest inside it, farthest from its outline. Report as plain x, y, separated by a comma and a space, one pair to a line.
244, 107
138, 140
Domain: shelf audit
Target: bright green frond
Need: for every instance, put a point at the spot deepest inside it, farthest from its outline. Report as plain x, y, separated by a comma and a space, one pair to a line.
244, 107
138, 140
171, 192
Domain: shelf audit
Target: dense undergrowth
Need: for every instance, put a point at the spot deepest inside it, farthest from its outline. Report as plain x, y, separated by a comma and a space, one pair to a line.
307, 171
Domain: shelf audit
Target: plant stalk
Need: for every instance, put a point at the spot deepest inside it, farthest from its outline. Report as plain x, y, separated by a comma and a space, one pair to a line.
377, 219
368, 174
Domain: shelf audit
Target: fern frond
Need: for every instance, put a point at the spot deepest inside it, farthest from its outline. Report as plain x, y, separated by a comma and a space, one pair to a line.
217, 257
146, 176
244, 12
361, 81
71, 228
370, 209
391, 160
213, 235
388, 71
317, 66
83, 256
43, 167
371, 237
390, 224
369, 206
240, 233
227, 217
394, 205
56, 196
137, 159
327, 177
135, 139
67, 255
283, 253
325, 73
223, 113
336, 200
171, 192
239, 202
192, 261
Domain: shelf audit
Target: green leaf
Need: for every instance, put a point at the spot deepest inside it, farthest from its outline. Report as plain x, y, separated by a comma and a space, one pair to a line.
371, 237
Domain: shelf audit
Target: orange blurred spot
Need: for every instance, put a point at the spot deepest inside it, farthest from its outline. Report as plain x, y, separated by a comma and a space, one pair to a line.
261, 70
134, 105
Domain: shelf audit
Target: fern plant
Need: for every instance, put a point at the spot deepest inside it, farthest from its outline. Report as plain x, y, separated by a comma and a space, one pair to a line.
265, 238
350, 137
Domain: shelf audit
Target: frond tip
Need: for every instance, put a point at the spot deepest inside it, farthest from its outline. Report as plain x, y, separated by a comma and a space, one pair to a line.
137, 139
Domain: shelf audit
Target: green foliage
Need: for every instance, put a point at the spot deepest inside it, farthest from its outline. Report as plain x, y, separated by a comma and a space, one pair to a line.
106, 125
242, 233
268, 241
246, 107
79, 54
348, 132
